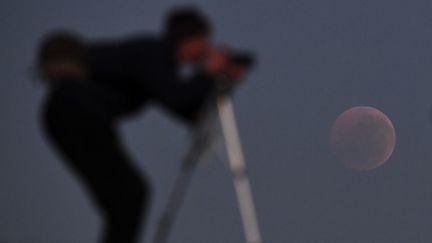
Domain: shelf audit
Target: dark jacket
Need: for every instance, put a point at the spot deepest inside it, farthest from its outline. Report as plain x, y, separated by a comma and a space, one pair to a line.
144, 70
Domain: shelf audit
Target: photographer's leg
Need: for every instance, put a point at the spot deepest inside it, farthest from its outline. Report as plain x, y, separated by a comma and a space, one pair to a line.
90, 146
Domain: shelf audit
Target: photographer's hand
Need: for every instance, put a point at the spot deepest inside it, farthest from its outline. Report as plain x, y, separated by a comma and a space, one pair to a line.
228, 73
216, 61
231, 77
235, 72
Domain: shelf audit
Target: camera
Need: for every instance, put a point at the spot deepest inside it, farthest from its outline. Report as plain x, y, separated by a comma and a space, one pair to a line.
242, 58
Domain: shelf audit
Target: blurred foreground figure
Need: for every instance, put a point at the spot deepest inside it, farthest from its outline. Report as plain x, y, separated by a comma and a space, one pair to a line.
92, 86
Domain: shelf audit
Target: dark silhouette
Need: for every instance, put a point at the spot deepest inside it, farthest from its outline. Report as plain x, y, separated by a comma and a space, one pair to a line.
92, 86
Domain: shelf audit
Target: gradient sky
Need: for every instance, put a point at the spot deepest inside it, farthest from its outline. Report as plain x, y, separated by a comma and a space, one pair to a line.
316, 59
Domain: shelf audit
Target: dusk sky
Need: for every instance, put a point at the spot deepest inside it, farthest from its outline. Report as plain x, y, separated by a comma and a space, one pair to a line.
317, 58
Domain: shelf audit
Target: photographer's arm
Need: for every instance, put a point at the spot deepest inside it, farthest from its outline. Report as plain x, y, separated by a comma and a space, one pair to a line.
186, 98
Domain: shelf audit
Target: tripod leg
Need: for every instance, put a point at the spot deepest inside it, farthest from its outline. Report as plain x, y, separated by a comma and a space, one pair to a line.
174, 203
200, 149
238, 168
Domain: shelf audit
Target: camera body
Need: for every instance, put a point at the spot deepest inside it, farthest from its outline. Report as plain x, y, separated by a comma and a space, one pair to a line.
242, 58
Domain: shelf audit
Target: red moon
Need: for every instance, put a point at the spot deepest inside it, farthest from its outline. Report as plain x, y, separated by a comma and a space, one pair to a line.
363, 138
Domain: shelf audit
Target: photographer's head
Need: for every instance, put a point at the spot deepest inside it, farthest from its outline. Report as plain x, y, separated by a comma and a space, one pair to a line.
189, 32
62, 55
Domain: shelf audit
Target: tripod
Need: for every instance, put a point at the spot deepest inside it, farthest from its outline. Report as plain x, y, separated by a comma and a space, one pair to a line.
201, 147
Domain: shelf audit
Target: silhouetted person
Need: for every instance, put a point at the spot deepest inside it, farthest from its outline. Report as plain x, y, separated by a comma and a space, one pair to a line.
91, 87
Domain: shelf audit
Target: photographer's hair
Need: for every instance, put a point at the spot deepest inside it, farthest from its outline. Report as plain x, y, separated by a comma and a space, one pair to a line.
60, 46
184, 22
